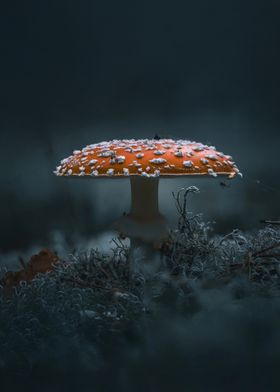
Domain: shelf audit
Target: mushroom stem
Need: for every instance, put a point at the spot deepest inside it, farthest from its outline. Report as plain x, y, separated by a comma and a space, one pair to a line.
144, 222
144, 197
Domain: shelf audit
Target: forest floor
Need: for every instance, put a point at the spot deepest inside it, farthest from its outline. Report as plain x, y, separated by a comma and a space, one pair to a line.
208, 319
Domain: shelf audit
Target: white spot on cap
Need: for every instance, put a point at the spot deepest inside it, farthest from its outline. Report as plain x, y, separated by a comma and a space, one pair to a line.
93, 162
212, 173
198, 148
213, 157
70, 171
159, 152
76, 152
188, 163
107, 154
120, 159
166, 146
156, 173
157, 161
94, 173
204, 161
57, 171
125, 171
178, 153
110, 172
139, 156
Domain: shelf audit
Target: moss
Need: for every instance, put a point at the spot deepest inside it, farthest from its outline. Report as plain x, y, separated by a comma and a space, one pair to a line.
88, 311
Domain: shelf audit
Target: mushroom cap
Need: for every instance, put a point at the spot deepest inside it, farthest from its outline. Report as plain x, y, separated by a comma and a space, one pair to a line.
147, 157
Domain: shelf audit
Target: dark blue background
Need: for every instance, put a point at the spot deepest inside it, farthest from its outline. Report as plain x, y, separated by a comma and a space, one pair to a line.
77, 72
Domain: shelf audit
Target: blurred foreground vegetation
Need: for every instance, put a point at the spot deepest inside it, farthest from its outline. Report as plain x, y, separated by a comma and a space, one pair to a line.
212, 310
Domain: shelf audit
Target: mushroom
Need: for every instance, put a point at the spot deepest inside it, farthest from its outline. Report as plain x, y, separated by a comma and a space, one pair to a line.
144, 161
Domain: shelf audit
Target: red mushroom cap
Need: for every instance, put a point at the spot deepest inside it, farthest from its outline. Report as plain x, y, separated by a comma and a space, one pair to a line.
147, 157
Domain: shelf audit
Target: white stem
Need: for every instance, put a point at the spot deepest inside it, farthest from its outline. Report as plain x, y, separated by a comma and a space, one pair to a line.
144, 198
144, 221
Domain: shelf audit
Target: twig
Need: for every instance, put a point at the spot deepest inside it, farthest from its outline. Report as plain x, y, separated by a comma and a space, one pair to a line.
22, 262
275, 255
104, 272
266, 249
270, 222
181, 206
87, 285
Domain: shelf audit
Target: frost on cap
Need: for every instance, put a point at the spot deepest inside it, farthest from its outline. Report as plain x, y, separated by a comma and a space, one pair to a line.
147, 157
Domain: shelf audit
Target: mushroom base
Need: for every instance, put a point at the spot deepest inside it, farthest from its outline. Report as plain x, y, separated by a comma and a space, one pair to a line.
151, 230
144, 259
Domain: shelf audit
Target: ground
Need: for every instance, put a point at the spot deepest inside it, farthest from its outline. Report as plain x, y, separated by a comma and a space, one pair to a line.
207, 320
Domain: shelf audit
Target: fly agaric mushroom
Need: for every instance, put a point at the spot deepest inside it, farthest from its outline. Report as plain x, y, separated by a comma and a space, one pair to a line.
144, 161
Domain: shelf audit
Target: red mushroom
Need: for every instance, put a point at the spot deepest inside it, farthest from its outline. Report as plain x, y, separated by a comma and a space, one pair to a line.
144, 161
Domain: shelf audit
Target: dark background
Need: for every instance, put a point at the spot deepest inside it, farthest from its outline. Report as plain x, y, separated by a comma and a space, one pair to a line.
74, 73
